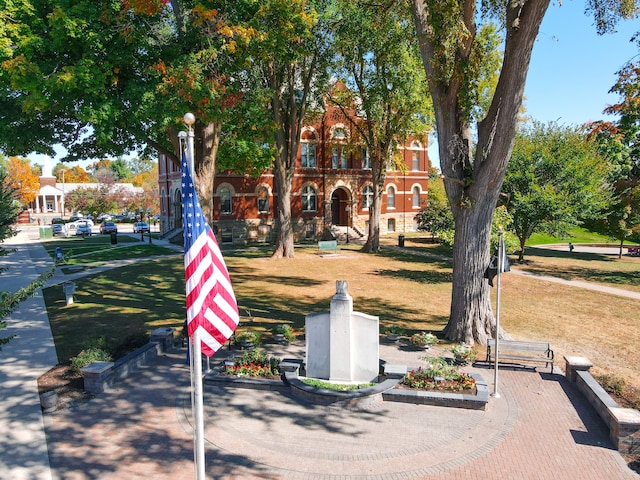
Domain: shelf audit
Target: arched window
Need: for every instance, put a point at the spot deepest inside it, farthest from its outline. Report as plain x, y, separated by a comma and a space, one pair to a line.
391, 197
263, 200
416, 197
309, 199
225, 200
367, 196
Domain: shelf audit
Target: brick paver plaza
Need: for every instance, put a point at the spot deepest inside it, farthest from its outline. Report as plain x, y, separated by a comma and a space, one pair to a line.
539, 428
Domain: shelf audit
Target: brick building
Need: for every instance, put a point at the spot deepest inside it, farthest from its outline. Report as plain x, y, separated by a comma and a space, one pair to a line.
332, 187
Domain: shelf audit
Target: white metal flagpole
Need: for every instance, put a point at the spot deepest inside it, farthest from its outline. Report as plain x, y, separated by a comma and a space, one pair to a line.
196, 351
495, 393
198, 406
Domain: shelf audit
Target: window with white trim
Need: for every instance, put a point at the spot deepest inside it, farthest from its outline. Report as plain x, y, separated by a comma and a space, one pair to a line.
366, 159
225, 201
308, 155
391, 197
367, 196
263, 200
309, 199
416, 197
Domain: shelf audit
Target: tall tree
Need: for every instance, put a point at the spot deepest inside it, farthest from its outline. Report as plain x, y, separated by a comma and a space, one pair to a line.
619, 142
288, 54
378, 60
555, 179
103, 78
474, 164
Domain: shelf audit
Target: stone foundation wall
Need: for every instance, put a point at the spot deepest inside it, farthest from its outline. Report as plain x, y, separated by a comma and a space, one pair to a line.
623, 423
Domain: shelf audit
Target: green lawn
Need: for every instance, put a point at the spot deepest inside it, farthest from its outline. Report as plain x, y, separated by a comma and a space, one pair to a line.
412, 292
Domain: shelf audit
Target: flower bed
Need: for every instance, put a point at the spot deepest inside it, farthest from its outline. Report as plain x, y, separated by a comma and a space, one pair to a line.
253, 363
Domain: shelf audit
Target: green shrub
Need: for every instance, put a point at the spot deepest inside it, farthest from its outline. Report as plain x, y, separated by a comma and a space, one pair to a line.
612, 384
86, 357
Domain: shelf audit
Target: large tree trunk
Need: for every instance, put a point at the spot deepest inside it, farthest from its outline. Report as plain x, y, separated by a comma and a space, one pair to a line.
473, 182
284, 241
378, 172
470, 299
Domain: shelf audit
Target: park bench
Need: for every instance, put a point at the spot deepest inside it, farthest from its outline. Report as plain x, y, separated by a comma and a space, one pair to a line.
520, 351
327, 246
633, 251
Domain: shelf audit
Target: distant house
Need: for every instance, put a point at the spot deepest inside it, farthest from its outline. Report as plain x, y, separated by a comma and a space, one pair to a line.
50, 198
332, 186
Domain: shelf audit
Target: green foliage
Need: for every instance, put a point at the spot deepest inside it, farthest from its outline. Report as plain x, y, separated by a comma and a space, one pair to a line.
555, 178
9, 209
437, 216
252, 336
334, 387
87, 357
10, 301
377, 59
286, 330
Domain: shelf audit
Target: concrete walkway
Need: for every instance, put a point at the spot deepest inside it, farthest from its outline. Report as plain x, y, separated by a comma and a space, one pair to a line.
540, 427
23, 448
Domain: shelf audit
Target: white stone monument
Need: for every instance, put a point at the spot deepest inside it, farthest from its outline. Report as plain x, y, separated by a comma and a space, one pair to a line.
342, 345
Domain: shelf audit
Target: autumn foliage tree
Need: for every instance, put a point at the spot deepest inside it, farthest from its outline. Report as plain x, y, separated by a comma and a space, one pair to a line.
22, 180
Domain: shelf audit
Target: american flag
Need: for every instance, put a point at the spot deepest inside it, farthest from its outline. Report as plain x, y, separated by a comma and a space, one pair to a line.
211, 304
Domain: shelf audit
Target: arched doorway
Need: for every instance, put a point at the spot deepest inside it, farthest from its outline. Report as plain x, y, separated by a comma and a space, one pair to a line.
340, 207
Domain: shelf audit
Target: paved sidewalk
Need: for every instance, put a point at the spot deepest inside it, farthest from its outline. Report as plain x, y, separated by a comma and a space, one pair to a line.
23, 449
540, 428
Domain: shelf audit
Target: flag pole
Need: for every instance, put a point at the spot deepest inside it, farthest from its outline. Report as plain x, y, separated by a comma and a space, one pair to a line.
495, 393
198, 412
196, 351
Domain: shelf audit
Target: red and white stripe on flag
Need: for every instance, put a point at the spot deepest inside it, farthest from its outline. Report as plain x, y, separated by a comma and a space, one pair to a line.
211, 304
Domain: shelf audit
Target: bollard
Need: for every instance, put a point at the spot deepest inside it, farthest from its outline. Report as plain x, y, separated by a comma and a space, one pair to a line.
69, 289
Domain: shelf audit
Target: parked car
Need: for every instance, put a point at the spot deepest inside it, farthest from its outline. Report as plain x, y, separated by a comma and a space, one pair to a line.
83, 228
57, 229
140, 227
56, 220
108, 227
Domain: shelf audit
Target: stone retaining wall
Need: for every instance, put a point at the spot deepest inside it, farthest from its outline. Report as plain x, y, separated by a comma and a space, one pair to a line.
623, 423
100, 376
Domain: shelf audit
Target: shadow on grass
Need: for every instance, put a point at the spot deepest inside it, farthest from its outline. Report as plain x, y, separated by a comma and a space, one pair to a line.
419, 276
551, 253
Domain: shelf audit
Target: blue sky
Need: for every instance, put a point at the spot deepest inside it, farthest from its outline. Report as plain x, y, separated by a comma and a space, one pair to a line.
573, 68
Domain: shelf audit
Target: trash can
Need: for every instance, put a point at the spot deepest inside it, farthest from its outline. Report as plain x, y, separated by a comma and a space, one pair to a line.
59, 254
401, 240
46, 232
114, 238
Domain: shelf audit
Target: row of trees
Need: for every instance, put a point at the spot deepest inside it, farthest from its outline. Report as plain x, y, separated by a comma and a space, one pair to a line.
103, 78
23, 179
